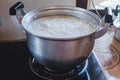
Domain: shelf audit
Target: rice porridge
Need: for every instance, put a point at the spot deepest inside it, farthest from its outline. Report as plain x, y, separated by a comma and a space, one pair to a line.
60, 26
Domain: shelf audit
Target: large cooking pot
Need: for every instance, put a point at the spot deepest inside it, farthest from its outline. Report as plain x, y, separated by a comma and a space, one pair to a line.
116, 23
59, 54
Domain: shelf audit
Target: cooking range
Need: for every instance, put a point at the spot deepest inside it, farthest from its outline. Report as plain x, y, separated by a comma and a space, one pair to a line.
89, 70
49, 58
18, 64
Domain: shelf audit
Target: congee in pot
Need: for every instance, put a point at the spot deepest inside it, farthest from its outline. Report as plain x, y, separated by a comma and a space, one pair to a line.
60, 26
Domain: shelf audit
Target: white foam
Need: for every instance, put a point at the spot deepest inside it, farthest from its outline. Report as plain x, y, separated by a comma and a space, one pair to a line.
60, 26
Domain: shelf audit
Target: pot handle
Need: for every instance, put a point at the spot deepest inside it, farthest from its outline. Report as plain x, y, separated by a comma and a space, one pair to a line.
17, 13
105, 23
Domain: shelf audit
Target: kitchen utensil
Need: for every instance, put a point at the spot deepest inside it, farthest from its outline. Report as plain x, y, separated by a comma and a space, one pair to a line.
60, 54
116, 23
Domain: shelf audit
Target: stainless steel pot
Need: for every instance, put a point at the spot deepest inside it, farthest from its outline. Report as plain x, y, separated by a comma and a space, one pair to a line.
116, 23
117, 29
60, 54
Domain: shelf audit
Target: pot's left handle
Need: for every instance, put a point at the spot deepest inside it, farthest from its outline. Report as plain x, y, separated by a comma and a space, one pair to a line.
17, 13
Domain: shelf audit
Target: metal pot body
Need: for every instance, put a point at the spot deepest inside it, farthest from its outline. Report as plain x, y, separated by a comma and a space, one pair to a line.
61, 55
117, 34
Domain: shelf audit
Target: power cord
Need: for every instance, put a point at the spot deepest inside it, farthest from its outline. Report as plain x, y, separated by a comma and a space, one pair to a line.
93, 4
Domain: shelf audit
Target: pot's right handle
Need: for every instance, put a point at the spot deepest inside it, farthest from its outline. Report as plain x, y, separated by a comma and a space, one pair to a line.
105, 23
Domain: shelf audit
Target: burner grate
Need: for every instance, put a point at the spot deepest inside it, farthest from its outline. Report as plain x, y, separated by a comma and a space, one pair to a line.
79, 72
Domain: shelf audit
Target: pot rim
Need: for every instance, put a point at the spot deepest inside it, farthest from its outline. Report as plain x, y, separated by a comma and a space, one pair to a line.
70, 8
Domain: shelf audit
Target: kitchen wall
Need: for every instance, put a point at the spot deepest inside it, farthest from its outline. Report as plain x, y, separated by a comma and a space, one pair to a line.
34, 4
101, 4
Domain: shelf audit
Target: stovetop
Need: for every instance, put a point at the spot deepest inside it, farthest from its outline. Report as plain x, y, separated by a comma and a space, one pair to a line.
14, 64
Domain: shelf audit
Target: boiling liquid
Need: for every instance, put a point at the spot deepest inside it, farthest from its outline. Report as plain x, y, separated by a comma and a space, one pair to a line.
60, 26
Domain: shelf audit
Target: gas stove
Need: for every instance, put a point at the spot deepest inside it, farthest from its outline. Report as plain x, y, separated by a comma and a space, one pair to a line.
18, 64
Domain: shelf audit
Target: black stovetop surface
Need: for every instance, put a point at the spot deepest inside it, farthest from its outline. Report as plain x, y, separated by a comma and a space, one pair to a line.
14, 63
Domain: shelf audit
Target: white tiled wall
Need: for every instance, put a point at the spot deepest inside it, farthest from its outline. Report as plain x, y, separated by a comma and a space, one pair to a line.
101, 4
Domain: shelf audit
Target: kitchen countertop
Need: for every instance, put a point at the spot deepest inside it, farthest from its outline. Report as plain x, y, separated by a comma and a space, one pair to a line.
107, 52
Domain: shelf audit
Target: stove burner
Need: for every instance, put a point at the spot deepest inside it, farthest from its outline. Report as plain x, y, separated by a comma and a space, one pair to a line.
79, 72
